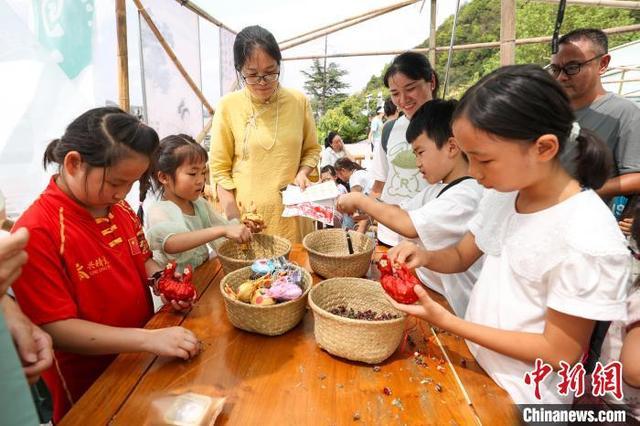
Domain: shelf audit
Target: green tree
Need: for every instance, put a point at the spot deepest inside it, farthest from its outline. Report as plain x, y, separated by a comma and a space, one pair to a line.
349, 119
325, 87
479, 21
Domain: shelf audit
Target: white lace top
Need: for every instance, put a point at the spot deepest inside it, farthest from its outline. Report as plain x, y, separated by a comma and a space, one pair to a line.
570, 257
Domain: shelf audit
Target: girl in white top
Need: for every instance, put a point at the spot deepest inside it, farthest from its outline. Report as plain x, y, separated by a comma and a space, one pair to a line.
555, 259
359, 181
334, 150
181, 224
411, 81
439, 215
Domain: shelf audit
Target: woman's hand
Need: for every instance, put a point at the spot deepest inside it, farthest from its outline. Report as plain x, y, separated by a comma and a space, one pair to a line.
426, 308
239, 233
34, 346
228, 202
408, 253
43, 347
302, 180
12, 257
172, 341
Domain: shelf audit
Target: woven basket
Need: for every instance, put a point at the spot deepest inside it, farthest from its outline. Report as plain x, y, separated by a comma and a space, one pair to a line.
358, 340
234, 256
329, 253
270, 320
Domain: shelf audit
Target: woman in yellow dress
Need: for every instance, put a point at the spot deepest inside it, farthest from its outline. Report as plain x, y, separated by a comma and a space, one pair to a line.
263, 138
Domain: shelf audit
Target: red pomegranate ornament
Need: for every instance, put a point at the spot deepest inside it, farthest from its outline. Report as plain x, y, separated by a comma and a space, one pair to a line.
172, 288
397, 281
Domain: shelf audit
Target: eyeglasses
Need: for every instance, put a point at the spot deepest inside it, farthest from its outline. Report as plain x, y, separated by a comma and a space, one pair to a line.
256, 79
571, 69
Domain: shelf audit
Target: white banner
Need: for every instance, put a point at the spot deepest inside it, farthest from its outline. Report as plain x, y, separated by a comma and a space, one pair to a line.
228, 75
48, 76
172, 107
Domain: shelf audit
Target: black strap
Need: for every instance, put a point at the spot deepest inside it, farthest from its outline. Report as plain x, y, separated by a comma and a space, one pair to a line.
43, 401
595, 344
386, 132
556, 30
452, 184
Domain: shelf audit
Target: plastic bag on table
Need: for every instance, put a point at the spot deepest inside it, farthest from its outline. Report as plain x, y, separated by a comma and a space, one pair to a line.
186, 408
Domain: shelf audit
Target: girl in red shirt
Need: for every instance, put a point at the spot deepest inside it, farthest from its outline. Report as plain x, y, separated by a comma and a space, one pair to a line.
85, 282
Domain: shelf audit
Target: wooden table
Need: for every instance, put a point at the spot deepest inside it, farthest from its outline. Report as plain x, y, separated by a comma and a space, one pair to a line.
288, 380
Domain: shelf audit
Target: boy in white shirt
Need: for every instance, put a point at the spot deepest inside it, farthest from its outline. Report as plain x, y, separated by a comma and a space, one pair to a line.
439, 214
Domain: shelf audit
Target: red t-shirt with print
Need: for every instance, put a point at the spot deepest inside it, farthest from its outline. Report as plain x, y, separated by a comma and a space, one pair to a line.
86, 268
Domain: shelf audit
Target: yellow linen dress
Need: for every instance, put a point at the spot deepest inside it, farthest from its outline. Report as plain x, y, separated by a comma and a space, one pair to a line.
257, 149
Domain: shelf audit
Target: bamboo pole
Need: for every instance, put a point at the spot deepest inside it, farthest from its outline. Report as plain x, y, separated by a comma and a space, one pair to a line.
386, 8
450, 54
172, 56
351, 23
507, 32
204, 131
486, 45
123, 55
618, 4
432, 34
621, 82
203, 14
628, 80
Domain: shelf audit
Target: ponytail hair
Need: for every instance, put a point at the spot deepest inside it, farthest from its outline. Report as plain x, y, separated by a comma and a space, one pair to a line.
346, 164
593, 161
522, 103
103, 136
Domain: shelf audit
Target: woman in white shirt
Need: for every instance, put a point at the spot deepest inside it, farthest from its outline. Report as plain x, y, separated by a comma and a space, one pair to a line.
333, 150
555, 260
411, 81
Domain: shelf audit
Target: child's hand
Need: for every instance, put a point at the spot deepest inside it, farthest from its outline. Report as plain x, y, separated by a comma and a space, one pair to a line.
239, 233
426, 308
179, 305
625, 226
348, 203
408, 253
254, 226
172, 341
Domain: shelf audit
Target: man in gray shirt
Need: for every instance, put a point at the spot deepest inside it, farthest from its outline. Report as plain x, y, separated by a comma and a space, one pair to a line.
581, 60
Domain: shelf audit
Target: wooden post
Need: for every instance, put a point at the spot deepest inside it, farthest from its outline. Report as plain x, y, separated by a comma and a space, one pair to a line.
507, 32
123, 56
172, 56
432, 34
